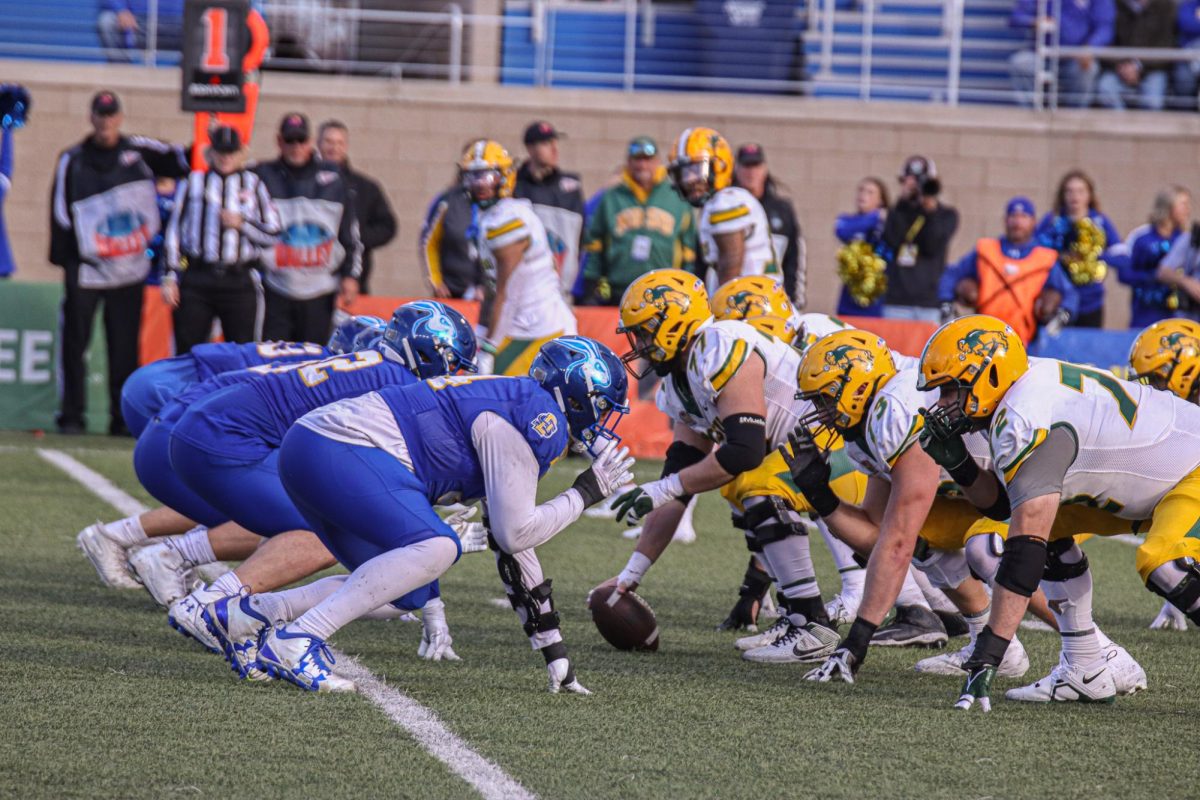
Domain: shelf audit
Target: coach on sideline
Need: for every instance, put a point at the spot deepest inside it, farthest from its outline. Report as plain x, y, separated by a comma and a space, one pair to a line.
103, 215
318, 257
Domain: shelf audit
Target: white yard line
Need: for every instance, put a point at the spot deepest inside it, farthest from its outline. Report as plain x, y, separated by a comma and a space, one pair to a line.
422, 724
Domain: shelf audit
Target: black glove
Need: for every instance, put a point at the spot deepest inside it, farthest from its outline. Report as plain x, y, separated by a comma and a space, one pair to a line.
809, 471
946, 446
755, 584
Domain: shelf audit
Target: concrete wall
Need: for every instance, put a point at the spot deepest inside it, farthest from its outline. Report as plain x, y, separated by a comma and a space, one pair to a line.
408, 136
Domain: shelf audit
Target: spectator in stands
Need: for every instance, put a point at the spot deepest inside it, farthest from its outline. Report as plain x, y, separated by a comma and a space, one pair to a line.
640, 224
1084, 23
1012, 277
1180, 269
917, 234
103, 213
122, 24
864, 225
1187, 73
557, 197
376, 222
14, 104
1075, 201
751, 173
589, 211
447, 247
1139, 265
1131, 81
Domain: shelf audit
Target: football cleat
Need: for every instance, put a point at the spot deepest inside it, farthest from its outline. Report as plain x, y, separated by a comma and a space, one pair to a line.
184, 616
954, 623
1014, 665
107, 556
302, 660
764, 638
1066, 683
238, 628
1128, 675
842, 609
162, 570
800, 644
912, 626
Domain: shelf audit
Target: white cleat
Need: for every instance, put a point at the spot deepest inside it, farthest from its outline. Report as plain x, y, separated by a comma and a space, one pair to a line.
1169, 618
1068, 683
763, 638
685, 533
238, 628
211, 571
801, 644
631, 533
301, 660
1128, 675
1014, 665
185, 616
162, 570
842, 609
107, 556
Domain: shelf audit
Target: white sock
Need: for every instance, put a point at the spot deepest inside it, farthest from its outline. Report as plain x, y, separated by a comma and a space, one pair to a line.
910, 592
1071, 603
689, 511
194, 546
227, 584
853, 576
934, 596
379, 581
287, 604
977, 622
126, 532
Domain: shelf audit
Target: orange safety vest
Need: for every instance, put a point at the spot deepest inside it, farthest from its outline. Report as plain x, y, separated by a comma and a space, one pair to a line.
1008, 287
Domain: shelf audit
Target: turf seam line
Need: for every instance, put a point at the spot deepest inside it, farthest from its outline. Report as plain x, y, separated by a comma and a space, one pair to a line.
492, 782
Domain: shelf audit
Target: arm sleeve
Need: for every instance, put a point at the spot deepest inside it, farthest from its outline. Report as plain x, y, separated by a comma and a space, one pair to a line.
431, 240
348, 236
165, 160
6, 162
1104, 16
794, 280
264, 230
171, 235
967, 267
510, 478
1060, 281
63, 247
380, 226
1044, 471
595, 237
1177, 257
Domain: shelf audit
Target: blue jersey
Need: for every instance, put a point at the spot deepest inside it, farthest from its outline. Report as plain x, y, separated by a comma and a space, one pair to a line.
268, 403
172, 411
436, 416
217, 357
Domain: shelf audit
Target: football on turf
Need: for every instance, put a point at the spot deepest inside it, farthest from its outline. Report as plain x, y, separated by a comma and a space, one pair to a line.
626, 621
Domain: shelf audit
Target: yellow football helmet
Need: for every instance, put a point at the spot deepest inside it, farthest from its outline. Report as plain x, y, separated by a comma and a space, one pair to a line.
702, 165
659, 313
783, 329
840, 373
813, 326
486, 172
1167, 356
978, 353
751, 296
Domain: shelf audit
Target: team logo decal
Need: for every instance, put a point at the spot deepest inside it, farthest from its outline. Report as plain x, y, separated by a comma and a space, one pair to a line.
434, 321
662, 296
544, 425
981, 343
305, 244
844, 357
124, 233
589, 362
749, 304
1180, 344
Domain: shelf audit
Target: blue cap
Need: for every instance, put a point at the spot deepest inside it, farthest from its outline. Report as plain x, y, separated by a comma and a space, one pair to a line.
1020, 205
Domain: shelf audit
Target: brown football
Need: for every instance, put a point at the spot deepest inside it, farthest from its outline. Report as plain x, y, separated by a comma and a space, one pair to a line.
625, 621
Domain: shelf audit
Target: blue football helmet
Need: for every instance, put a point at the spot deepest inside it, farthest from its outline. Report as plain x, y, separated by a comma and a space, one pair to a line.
588, 381
369, 338
431, 339
342, 340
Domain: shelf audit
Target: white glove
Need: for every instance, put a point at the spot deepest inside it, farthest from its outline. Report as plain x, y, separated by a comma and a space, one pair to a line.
435, 633
839, 665
610, 470
472, 535
1169, 618
634, 505
563, 677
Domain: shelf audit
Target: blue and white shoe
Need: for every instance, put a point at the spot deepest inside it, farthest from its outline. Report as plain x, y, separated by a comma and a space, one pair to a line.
184, 616
238, 628
301, 659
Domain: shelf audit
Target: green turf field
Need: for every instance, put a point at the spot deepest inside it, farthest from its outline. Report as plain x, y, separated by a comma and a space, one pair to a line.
101, 699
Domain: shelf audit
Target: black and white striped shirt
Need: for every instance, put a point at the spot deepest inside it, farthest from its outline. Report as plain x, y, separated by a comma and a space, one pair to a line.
195, 233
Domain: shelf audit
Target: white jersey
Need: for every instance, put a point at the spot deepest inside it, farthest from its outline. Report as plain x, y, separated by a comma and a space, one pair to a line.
719, 350
1135, 443
534, 305
892, 424
735, 210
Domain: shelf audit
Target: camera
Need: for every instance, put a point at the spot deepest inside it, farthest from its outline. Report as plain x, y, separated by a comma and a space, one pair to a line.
931, 187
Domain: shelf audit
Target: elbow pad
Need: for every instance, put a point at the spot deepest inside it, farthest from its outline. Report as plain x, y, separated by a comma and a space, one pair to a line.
745, 443
679, 457
999, 510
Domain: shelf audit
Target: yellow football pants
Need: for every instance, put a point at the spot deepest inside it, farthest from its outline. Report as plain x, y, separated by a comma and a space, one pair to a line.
514, 356
1174, 527
772, 477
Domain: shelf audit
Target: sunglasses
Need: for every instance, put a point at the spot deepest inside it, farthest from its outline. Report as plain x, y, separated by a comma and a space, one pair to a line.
295, 139
643, 150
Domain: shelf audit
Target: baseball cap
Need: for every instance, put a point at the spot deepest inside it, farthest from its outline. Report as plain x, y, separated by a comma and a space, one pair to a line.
225, 140
294, 128
919, 167
1020, 205
105, 103
541, 131
642, 147
750, 155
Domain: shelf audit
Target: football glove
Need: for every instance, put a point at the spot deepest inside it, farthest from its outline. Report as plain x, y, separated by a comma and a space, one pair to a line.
633, 506
1169, 618
842, 664
562, 677
978, 686
611, 470
471, 535
803, 457
941, 442
436, 643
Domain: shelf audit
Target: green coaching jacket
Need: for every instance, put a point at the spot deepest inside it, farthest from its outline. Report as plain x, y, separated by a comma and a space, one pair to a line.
632, 232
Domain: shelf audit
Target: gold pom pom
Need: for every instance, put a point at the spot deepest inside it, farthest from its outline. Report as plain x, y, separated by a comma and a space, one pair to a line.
863, 272
1082, 259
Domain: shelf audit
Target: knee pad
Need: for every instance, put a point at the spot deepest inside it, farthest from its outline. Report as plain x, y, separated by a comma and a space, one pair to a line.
945, 569
770, 519
1022, 565
983, 556
1056, 569
1178, 582
526, 602
739, 522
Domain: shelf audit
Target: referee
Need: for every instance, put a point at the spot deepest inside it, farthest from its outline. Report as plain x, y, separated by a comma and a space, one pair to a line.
222, 219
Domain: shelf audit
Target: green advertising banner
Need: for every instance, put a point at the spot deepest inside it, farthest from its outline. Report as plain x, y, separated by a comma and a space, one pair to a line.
29, 353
